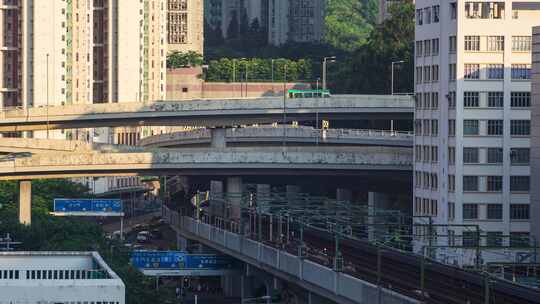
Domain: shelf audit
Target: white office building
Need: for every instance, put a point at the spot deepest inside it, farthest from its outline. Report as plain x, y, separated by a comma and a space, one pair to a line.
58, 277
472, 124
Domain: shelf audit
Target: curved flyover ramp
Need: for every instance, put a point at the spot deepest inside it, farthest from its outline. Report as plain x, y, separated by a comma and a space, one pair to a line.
246, 161
209, 113
276, 135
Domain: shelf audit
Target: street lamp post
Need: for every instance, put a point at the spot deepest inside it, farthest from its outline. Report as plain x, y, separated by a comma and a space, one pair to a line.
392, 85
205, 72
273, 90
47, 91
284, 104
325, 61
246, 78
234, 76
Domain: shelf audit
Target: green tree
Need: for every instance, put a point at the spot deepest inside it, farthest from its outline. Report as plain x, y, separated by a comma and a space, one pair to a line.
349, 23
178, 59
368, 69
48, 233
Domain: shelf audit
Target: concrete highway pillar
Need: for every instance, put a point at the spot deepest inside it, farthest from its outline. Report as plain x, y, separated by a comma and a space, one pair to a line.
371, 215
246, 288
343, 194
234, 193
292, 192
217, 207
181, 242
25, 202
219, 138
263, 196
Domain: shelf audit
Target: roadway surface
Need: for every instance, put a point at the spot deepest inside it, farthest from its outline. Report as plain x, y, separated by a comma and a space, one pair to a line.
209, 113
269, 135
224, 162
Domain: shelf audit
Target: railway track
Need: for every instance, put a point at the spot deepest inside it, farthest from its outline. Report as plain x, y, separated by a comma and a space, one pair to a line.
401, 272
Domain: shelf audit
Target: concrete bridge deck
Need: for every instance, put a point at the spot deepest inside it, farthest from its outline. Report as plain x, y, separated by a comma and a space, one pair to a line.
335, 286
277, 135
228, 161
209, 113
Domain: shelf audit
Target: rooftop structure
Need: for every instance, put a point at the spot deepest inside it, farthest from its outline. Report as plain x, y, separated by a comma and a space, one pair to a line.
58, 277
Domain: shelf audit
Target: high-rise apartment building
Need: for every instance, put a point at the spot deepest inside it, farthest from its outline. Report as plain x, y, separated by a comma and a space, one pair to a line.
472, 124
296, 20
535, 136
285, 20
185, 20
92, 51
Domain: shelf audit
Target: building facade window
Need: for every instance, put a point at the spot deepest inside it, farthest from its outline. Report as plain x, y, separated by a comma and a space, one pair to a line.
495, 71
472, 43
451, 155
435, 47
436, 13
494, 183
520, 99
451, 183
419, 17
452, 72
484, 10
495, 127
495, 99
470, 155
519, 183
521, 71
520, 156
471, 99
427, 15
472, 71
452, 44
519, 212
470, 183
494, 211
495, 155
435, 73
453, 11
495, 43
470, 211
470, 127
419, 48
521, 43
451, 97
520, 127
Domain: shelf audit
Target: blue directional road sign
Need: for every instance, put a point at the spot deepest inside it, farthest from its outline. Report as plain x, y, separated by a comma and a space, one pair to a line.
158, 259
91, 206
208, 261
179, 260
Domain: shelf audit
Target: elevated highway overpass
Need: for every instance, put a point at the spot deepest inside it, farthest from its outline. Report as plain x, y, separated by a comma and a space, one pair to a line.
230, 161
209, 113
269, 135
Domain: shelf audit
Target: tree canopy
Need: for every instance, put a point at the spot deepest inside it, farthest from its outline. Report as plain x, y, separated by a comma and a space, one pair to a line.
368, 69
178, 59
48, 233
349, 23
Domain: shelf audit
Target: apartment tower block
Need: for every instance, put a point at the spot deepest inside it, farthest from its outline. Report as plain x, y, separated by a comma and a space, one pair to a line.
472, 125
